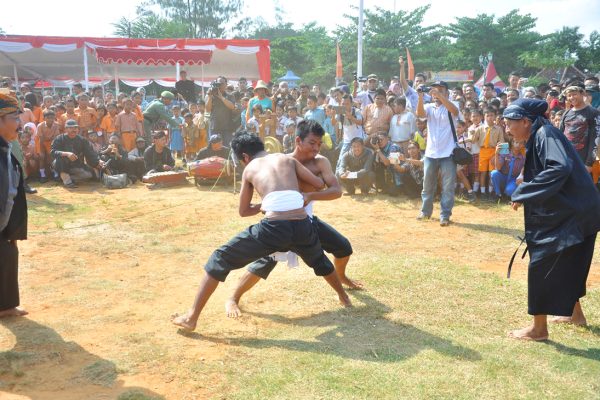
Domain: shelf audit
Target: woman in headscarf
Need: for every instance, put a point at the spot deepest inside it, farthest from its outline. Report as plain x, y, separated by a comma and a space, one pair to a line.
562, 217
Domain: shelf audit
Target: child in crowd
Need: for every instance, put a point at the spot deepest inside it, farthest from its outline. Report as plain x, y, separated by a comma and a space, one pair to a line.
69, 114
280, 130
292, 114
330, 124
47, 131
94, 139
252, 125
30, 156
476, 119
462, 171
290, 137
420, 135
402, 125
487, 136
176, 140
107, 126
193, 137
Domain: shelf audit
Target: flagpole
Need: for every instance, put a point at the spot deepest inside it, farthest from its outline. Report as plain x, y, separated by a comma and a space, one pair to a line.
359, 64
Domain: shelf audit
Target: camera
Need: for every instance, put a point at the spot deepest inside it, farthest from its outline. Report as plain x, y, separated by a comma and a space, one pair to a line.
423, 89
358, 78
214, 87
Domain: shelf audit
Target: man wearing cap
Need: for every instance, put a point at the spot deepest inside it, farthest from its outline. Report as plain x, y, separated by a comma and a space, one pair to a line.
13, 209
215, 148
69, 150
562, 217
156, 112
221, 107
438, 153
157, 157
366, 97
137, 165
581, 125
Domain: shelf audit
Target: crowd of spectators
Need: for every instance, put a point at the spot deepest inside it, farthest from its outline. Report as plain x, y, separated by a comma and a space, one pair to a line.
394, 137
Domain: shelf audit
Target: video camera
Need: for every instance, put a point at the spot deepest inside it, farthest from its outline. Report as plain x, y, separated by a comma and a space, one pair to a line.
359, 78
423, 89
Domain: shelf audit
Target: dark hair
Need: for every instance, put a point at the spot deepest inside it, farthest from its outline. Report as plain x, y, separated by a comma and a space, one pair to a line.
243, 142
347, 96
188, 115
461, 122
491, 110
400, 101
380, 92
303, 85
422, 75
357, 140
312, 97
288, 108
495, 103
306, 127
476, 111
490, 85
502, 94
515, 73
592, 78
31, 99
49, 113
322, 95
61, 106
79, 85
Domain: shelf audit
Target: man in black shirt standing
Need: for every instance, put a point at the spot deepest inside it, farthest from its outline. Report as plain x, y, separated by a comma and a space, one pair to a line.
157, 157
186, 88
13, 209
221, 107
69, 151
215, 148
581, 125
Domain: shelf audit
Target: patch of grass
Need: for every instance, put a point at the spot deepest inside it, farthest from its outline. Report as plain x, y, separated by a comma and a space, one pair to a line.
135, 394
102, 373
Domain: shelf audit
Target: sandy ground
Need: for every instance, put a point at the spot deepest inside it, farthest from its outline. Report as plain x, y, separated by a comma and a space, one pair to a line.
101, 280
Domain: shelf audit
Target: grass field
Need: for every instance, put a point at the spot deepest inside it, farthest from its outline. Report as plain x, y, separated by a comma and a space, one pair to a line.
103, 271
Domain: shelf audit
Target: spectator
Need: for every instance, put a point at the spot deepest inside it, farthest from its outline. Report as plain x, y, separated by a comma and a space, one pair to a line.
157, 157
176, 138
194, 138
355, 168
314, 113
581, 125
289, 137
411, 169
420, 135
367, 97
108, 123
215, 148
221, 107
350, 123
514, 84
593, 90
508, 169
260, 98
242, 84
156, 112
302, 101
86, 115
115, 157
47, 131
387, 179
476, 123
377, 116
462, 171
440, 144
487, 136
186, 88
137, 165
488, 92
69, 151
127, 125
403, 124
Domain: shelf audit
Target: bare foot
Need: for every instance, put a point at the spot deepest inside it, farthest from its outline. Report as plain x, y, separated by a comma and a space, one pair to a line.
351, 283
13, 312
345, 300
183, 321
529, 333
232, 309
581, 321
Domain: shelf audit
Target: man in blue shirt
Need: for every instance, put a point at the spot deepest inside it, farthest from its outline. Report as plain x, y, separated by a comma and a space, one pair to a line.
314, 113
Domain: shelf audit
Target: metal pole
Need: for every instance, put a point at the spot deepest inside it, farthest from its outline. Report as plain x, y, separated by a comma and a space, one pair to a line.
85, 68
116, 81
16, 77
359, 61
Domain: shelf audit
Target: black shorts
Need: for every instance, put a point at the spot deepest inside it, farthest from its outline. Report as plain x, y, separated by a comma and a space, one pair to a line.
267, 237
331, 241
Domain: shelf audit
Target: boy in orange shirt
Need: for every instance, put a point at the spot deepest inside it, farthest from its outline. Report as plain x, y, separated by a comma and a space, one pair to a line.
107, 125
127, 125
487, 136
87, 115
47, 131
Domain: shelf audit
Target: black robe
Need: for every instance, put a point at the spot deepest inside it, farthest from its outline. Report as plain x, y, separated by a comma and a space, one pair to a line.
562, 210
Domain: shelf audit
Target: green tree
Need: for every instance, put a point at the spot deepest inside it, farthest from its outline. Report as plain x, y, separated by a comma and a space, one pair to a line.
148, 25
589, 55
505, 37
556, 50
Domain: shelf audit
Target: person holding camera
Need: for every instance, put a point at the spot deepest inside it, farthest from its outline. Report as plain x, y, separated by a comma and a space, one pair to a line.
387, 154
221, 107
115, 157
438, 153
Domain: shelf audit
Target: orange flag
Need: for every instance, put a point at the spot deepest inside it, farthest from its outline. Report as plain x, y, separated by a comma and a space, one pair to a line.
338, 64
411, 67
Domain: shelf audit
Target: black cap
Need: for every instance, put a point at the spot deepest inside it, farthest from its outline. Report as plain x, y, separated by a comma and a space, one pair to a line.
439, 83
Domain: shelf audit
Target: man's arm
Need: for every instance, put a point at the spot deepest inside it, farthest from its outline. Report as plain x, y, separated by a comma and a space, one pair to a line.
333, 191
402, 75
450, 106
421, 107
209, 103
246, 208
306, 176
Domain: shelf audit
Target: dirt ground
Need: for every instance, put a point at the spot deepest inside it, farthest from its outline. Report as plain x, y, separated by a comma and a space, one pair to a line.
103, 271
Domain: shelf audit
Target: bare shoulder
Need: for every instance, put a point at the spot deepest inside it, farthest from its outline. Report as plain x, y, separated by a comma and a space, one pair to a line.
322, 163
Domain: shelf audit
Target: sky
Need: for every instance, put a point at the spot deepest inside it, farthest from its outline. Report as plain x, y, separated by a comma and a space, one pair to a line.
50, 19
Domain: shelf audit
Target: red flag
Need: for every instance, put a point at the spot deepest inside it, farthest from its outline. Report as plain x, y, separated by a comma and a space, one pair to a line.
411, 67
338, 64
491, 76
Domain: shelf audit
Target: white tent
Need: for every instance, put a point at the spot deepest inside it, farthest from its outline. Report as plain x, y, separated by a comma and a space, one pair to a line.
85, 59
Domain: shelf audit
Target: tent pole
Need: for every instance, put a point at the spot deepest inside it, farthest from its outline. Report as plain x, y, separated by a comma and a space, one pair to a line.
16, 77
116, 81
85, 68
177, 71
202, 80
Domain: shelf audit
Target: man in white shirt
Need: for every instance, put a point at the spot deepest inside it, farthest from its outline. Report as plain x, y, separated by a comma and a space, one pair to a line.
367, 97
438, 153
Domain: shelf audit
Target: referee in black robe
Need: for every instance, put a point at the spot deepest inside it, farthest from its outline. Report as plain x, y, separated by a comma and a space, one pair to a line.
562, 217
13, 209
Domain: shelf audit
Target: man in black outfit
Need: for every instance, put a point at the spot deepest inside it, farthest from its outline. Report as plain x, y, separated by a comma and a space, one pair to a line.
13, 210
215, 148
186, 88
157, 157
221, 107
69, 151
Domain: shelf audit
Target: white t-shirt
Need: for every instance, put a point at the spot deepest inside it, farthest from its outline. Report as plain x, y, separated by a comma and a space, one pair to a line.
403, 126
440, 141
352, 130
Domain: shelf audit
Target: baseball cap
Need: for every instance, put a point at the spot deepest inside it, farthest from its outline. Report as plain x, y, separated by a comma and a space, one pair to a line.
372, 76
440, 84
71, 123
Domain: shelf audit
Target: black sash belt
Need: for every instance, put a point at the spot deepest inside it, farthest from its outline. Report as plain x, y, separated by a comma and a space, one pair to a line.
512, 259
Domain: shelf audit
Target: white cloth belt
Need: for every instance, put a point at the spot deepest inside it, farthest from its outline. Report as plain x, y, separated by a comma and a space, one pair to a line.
282, 200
